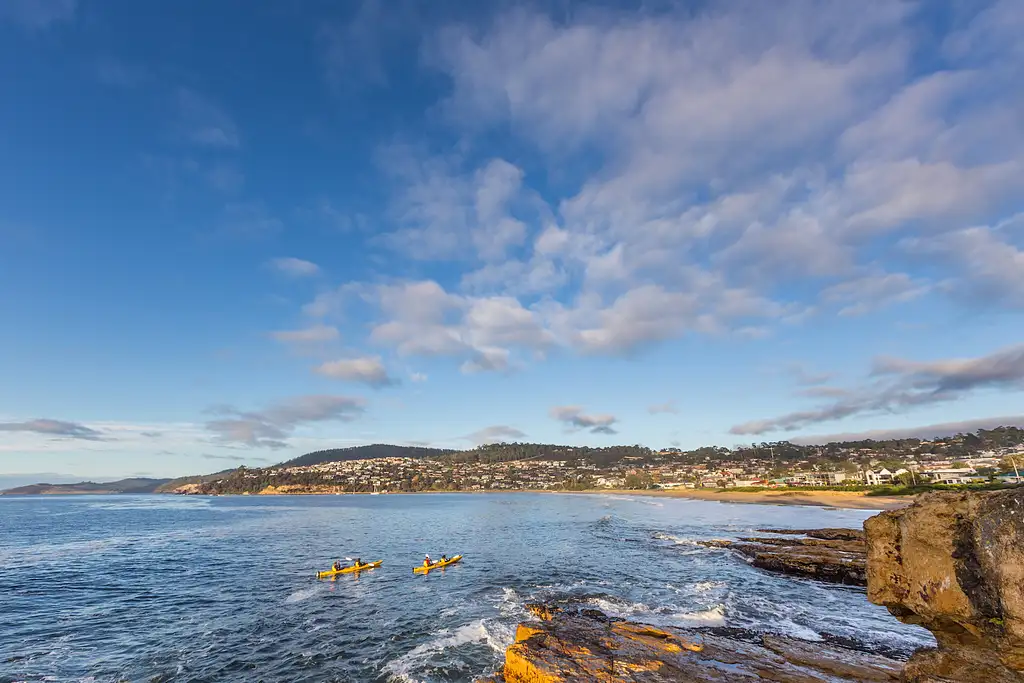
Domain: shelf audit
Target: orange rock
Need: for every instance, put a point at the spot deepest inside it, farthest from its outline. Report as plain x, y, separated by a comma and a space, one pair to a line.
586, 646
954, 563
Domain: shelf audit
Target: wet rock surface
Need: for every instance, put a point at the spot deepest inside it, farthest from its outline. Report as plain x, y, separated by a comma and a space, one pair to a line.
586, 645
954, 564
834, 555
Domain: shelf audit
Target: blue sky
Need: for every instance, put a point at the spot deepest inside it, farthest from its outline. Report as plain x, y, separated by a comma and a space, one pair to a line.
231, 233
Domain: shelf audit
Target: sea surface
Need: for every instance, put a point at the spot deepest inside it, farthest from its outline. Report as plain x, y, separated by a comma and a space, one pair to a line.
163, 588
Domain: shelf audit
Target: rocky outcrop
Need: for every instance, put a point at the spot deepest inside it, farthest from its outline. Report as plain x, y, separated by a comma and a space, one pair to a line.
586, 646
828, 534
835, 555
954, 564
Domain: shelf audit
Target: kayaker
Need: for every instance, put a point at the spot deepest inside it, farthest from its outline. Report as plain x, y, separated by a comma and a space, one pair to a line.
426, 561
336, 566
444, 558
359, 563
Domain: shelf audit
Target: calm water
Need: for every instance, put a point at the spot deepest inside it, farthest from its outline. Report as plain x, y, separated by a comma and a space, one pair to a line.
155, 588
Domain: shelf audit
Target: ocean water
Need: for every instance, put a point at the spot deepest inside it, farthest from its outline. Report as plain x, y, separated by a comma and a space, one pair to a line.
160, 588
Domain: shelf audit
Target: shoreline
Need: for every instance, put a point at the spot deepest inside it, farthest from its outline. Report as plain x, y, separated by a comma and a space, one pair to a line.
845, 500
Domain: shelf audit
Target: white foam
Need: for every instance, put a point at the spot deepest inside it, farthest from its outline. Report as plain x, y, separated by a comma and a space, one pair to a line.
303, 594
496, 636
705, 586
709, 617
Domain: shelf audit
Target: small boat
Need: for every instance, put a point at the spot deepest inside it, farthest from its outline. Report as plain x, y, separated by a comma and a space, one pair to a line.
349, 570
423, 569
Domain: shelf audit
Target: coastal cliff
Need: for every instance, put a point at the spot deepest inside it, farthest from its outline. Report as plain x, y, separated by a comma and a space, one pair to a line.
954, 564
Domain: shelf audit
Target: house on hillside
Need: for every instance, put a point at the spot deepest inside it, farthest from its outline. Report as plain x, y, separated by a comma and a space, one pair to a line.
817, 478
882, 477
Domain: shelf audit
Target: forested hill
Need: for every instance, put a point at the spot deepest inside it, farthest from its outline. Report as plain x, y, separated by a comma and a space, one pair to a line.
490, 453
954, 446
504, 452
194, 479
377, 450
136, 485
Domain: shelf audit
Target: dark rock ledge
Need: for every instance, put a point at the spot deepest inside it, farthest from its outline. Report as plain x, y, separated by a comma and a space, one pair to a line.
835, 555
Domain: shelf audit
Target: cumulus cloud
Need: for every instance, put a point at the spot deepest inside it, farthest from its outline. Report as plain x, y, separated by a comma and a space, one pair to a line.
987, 262
494, 434
660, 188
575, 418
56, 428
901, 385
295, 267
271, 427
448, 213
368, 370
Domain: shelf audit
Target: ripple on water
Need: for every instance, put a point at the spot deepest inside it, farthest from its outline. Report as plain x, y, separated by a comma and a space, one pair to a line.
158, 589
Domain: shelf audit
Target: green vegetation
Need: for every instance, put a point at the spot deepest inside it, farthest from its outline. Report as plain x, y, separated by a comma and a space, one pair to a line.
507, 452
377, 450
923, 488
183, 481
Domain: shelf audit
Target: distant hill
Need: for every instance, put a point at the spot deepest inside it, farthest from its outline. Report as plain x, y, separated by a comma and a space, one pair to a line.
377, 450
169, 485
138, 485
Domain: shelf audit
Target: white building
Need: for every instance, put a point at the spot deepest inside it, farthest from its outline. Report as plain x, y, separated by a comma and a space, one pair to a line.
883, 477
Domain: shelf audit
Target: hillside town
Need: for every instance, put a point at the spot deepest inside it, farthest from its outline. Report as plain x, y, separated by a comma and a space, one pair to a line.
512, 467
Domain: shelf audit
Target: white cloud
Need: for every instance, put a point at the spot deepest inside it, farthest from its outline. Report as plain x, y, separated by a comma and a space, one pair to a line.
447, 213
295, 267
368, 370
901, 385
988, 262
717, 171
917, 432
494, 434
272, 426
575, 418
54, 428
666, 408
874, 289
309, 335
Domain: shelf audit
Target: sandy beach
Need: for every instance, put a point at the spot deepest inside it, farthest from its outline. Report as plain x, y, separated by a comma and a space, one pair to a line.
854, 500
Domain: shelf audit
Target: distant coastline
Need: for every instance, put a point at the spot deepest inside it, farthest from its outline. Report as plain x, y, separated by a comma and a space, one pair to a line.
850, 500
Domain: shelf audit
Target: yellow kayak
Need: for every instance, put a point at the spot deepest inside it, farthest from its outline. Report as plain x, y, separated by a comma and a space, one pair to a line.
348, 570
423, 569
